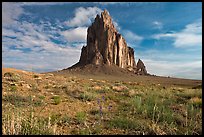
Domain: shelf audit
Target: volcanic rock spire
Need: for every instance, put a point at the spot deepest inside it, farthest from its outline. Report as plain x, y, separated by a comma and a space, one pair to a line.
106, 46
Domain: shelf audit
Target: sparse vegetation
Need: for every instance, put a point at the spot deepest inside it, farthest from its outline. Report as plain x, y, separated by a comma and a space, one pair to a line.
11, 76
56, 99
123, 123
86, 96
13, 88
64, 105
80, 117
41, 97
35, 76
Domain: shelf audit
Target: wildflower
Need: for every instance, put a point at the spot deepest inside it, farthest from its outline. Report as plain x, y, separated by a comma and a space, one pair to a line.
109, 107
103, 98
98, 101
100, 110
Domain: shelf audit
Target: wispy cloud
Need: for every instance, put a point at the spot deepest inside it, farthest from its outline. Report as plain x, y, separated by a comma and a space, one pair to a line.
190, 36
30, 47
83, 16
131, 37
158, 25
10, 12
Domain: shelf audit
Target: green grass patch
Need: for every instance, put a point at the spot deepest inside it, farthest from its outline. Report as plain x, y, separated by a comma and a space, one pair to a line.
80, 117
123, 123
56, 99
87, 96
17, 100
13, 88
41, 97
84, 132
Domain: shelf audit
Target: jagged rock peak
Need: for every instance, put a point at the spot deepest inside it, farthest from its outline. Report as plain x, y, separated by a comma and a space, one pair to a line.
105, 46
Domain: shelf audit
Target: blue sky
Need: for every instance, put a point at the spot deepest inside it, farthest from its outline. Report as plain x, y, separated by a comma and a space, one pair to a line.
44, 36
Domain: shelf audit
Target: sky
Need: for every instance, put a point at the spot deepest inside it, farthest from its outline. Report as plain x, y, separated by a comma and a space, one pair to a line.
48, 36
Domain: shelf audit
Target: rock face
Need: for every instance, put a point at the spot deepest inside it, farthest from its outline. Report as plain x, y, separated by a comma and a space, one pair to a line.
141, 70
106, 46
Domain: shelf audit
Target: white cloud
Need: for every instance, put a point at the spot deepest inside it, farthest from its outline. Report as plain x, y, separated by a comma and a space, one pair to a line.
43, 54
186, 64
132, 37
75, 35
189, 70
191, 36
158, 25
10, 12
83, 16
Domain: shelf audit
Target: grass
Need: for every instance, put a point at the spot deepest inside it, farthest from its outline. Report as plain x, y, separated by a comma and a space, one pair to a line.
151, 110
34, 88
87, 96
80, 117
11, 76
17, 100
17, 124
42, 97
123, 123
84, 132
38, 103
56, 99
65, 120
13, 88
197, 87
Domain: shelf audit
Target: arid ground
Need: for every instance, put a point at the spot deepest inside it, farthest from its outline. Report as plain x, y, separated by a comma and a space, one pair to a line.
77, 102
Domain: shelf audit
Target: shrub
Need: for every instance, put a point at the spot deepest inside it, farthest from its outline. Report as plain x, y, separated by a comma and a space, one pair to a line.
87, 96
65, 120
11, 76
38, 103
54, 118
13, 88
35, 76
34, 88
81, 117
56, 100
197, 102
8, 74
42, 97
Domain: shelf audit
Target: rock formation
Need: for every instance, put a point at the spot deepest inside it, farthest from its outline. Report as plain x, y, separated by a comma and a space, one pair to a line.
141, 70
106, 46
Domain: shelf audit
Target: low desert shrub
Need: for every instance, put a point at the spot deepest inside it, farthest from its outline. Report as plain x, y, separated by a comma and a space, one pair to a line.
80, 117
56, 99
